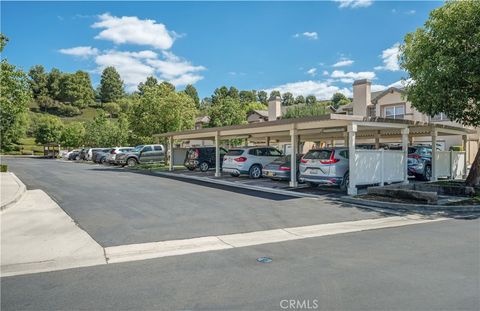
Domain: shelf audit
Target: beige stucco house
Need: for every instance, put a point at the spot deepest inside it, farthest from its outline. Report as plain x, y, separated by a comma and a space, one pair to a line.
391, 103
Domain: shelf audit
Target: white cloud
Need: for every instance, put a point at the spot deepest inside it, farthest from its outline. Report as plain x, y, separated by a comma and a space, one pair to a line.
321, 89
411, 12
354, 3
312, 72
132, 30
309, 35
176, 70
377, 87
349, 77
401, 83
81, 51
343, 63
325, 73
390, 58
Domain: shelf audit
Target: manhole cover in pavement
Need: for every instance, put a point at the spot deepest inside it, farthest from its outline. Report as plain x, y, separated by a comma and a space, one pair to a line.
264, 259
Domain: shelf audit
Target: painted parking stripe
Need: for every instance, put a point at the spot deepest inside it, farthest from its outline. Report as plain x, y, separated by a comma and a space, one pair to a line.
143, 251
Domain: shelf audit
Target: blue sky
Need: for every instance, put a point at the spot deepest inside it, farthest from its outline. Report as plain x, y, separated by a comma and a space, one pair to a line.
303, 47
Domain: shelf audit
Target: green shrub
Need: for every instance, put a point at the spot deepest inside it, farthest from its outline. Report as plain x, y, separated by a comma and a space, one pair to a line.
456, 148
3, 168
68, 111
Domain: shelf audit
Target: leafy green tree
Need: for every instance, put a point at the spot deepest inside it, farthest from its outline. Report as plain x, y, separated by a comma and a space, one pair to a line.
48, 129
168, 85
67, 110
233, 93
150, 82
336, 98
299, 100
73, 135
312, 110
15, 94
443, 60
273, 94
38, 81
262, 97
310, 100
113, 109
54, 83
226, 111
249, 107
111, 85
3, 41
247, 97
77, 89
342, 102
161, 110
191, 91
287, 99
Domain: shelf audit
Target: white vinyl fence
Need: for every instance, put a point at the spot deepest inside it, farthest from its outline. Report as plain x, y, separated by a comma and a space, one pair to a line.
450, 164
379, 166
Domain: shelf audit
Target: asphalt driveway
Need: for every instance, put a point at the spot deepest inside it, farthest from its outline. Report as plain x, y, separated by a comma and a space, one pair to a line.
118, 207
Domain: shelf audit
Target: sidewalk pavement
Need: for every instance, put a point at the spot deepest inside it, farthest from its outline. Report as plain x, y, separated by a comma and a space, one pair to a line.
37, 235
11, 190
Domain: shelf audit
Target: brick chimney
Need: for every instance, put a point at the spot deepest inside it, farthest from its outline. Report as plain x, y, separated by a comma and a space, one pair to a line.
362, 96
274, 108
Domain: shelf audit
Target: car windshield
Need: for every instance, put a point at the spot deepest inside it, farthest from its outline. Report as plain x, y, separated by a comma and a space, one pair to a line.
138, 148
235, 152
318, 154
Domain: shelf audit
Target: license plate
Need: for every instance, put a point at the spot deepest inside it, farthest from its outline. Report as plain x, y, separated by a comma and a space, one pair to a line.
312, 172
269, 173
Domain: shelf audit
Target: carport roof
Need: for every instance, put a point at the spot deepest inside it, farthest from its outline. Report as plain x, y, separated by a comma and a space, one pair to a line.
325, 126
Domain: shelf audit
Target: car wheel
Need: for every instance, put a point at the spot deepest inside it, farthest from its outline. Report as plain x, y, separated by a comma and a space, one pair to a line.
132, 162
311, 184
427, 176
77, 158
345, 182
234, 174
204, 166
255, 171
190, 168
103, 161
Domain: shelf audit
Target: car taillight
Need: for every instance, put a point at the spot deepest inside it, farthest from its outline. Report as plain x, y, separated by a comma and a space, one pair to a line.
285, 168
304, 161
240, 159
414, 155
197, 154
113, 151
332, 160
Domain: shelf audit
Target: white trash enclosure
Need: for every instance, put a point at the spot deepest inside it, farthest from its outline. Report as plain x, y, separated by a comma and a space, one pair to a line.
365, 166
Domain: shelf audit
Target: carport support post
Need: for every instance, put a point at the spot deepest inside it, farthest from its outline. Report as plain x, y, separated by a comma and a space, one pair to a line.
434, 154
377, 140
464, 138
293, 163
217, 154
170, 148
352, 133
268, 141
405, 133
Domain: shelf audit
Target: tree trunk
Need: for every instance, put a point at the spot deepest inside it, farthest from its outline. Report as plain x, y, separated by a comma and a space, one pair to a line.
473, 178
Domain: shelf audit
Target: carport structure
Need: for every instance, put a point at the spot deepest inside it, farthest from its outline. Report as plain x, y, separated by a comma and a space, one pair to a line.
365, 166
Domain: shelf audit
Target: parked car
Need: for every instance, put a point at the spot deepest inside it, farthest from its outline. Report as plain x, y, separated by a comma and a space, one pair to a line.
112, 155
99, 156
325, 166
142, 154
74, 155
280, 168
202, 158
420, 162
249, 160
83, 154
92, 151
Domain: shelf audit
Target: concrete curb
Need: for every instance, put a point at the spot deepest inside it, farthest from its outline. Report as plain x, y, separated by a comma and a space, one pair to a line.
241, 186
412, 207
20, 192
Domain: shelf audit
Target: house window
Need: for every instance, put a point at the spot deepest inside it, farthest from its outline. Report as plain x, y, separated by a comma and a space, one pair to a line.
394, 112
440, 117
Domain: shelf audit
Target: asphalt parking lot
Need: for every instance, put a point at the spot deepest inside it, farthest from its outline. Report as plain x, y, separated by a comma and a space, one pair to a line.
118, 207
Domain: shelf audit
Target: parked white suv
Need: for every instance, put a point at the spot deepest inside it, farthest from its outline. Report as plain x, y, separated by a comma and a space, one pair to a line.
249, 160
111, 157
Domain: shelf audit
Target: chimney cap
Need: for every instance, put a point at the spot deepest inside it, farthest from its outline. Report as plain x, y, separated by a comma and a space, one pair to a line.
362, 81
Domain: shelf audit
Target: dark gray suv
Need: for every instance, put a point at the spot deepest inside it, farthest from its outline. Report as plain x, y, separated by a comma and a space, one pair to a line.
143, 154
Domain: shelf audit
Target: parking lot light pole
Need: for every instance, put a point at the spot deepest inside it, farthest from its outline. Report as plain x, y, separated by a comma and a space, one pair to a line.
293, 160
405, 133
352, 133
170, 149
464, 139
217, 154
